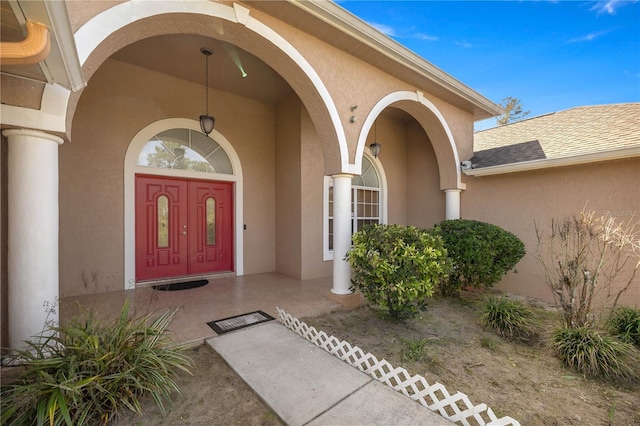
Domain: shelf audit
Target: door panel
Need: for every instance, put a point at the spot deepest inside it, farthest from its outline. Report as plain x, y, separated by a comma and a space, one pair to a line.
211, 218
161, 212
182, 227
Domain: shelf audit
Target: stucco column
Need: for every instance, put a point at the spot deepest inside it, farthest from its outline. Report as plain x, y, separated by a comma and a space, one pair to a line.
341, 233
33, 232
452, 203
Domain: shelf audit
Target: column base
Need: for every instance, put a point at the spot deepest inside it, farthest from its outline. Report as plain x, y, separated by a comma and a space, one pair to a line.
348, 302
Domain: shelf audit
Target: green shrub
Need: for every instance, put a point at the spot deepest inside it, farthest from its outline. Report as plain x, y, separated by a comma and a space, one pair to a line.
396, 267
624, 323
594, 354
509, 319
481, 253
90, 372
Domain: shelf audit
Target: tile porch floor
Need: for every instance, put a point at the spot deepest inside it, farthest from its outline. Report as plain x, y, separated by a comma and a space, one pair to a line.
221, 298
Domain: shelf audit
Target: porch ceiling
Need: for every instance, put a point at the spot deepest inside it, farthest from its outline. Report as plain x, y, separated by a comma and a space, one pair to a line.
178, 55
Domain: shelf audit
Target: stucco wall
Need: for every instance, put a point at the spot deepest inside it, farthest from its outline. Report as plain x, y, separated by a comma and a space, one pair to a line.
354, 82
312, 186
425, 199
392, 135
518, 200
120, 100
288, 191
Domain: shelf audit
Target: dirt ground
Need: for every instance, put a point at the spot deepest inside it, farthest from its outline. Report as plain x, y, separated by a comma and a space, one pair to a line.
524, 382
213, 395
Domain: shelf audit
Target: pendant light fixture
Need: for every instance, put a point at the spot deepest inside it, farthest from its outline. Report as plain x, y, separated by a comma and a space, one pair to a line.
375, 147
206, 121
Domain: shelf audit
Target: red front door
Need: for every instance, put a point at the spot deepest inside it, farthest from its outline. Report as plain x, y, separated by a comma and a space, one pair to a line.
183, 227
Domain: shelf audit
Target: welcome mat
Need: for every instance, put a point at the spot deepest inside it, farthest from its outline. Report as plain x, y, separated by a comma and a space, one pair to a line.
185, 285
239, 321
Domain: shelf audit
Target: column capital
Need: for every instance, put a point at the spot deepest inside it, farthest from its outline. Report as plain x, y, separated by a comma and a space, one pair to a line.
453, 190
342, 175
33, 133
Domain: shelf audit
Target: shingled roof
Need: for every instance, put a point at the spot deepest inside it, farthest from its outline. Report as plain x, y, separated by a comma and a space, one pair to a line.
569, 133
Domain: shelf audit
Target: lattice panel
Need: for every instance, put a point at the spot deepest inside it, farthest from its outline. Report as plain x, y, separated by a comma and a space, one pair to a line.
457, 407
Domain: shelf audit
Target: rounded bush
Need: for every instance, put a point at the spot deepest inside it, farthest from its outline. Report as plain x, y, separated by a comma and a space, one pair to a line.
509, 319
395, 267
481, 253
624, 323
594, 354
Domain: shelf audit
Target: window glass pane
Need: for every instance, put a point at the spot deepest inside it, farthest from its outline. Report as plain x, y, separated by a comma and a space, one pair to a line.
331, 201
211, 221
330, 234
185, 149
162, 207
369, 176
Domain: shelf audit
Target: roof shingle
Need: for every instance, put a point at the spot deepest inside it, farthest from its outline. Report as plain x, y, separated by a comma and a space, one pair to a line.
576, 131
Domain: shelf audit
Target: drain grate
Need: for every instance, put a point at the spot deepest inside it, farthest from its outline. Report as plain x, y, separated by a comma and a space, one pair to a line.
239, 321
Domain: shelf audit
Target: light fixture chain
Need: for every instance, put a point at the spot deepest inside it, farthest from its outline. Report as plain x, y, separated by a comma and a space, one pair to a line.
206, 67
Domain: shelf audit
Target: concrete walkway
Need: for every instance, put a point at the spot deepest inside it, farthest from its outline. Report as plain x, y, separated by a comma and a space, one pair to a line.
305, 385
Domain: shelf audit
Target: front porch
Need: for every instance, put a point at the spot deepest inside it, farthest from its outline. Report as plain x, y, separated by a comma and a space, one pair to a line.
220, 298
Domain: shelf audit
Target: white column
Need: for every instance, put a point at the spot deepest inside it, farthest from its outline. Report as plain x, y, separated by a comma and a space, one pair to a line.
341, 233
33, 232
452, 203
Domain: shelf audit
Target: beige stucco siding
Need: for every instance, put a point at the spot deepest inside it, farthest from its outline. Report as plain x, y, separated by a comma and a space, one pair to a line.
312, 187
121, 100
288, 187
353, 82
392, 135
425, 200
517, 201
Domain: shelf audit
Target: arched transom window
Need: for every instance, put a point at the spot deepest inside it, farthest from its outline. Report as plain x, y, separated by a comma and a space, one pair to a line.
185, 149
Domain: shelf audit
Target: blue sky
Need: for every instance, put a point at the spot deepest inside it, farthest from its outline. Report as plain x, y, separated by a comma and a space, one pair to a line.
553, 55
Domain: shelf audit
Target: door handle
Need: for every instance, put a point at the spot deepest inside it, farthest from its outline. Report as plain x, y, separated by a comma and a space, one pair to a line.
184, 232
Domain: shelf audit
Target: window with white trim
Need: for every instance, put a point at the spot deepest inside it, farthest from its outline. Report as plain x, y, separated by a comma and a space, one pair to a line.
366, 203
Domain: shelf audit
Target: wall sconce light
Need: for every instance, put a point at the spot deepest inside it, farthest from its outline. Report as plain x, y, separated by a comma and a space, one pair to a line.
206, 121
375, 147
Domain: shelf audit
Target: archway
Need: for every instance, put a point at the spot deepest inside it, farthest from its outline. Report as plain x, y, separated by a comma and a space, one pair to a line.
128, 22
432, 121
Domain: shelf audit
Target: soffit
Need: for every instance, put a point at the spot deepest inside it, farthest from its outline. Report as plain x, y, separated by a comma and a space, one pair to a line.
61, 66
12, 30
334, 25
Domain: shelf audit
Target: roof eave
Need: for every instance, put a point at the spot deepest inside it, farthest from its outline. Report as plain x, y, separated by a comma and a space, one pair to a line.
335, 15
615, 154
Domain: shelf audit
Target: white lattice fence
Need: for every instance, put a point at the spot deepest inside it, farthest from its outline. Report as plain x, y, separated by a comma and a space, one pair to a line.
456, 407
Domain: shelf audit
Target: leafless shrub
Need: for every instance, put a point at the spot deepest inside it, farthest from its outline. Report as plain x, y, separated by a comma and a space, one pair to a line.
587, 259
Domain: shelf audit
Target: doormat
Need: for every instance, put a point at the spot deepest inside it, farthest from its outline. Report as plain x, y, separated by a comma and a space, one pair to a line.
185, 285
239, 321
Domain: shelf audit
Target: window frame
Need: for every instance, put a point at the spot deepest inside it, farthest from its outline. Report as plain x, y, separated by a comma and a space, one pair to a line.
327, 253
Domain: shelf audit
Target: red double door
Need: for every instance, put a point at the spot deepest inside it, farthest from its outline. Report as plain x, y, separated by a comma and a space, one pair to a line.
183, 227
